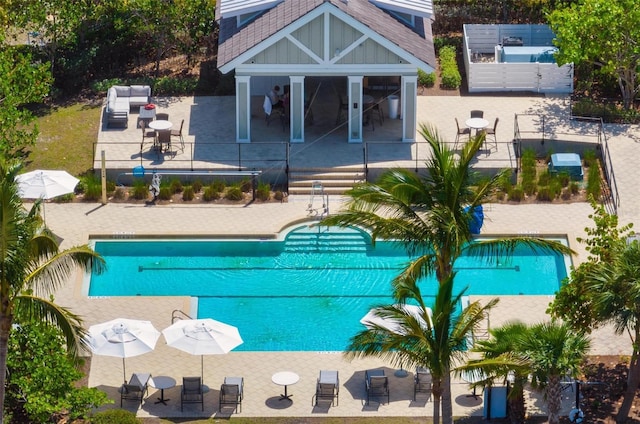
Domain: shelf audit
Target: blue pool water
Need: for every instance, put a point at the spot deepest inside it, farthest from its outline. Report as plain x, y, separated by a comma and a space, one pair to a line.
306, 292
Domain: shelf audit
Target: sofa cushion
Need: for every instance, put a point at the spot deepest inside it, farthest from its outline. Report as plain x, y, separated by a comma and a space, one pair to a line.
122, 90
140, 91
138, 101
122, 105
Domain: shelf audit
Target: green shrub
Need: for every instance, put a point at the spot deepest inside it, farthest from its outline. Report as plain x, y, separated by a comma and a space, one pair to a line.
102, 86
544, 194
197, 186
263, 192
574, 188
278, 195
218, 186
188, 194
504, 182
566, 194
594, 188
449, 73
210, 194
426, 79
140, 190
516, 194
115, 416
165, 193
245, 185
65, 198
234, 193
564, 179
590, 158
544, 179
175, 86
176, 186
555, 188
119, 193
92, 187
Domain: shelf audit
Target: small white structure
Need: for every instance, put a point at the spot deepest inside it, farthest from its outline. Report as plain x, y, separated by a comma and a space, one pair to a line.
513, 58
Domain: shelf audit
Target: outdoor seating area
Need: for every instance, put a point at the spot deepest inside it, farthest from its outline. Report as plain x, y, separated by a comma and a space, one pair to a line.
476, 124
377, 385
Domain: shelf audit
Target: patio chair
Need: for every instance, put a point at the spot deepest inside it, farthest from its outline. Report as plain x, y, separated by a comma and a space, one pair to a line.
146, 134
477, 114
231, 392
422, 382
136, 388
376, 384
164, 141
491, 132
327, 387
461, 131
162, 116
191, 391
178, 133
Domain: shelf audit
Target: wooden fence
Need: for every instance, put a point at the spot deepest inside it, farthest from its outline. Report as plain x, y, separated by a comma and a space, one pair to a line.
485, 74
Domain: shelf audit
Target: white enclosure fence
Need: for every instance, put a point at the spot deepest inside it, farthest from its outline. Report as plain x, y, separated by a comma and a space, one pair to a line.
481, 41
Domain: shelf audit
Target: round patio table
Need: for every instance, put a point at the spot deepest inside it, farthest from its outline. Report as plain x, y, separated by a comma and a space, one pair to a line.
285, 378
163, 125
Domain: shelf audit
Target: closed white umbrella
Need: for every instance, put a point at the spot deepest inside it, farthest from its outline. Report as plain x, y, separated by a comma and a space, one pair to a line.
202, 337
45, 184
123, 338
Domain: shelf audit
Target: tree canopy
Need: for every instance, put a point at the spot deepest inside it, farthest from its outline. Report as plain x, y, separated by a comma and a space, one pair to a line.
604, 33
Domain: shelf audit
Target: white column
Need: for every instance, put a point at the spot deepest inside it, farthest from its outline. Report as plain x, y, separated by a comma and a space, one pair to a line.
408, 111
296, 99
354, 115
243, 109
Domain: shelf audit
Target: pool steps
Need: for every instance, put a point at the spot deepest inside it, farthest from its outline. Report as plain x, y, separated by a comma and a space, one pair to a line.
314, 239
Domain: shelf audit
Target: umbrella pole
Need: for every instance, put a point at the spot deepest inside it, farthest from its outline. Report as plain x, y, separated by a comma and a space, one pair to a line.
202, 368
124, 371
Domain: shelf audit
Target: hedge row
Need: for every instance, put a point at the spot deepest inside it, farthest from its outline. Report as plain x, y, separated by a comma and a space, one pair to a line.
449, 73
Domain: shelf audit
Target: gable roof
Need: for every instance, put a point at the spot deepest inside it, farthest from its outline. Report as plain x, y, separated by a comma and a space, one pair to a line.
233, 41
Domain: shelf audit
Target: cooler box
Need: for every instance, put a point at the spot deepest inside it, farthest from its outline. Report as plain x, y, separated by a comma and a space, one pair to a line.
566, 162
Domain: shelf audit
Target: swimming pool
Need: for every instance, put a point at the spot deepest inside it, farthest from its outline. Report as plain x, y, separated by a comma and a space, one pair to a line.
304, 292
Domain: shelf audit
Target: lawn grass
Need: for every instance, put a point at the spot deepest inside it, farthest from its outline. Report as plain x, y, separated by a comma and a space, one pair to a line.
66, 138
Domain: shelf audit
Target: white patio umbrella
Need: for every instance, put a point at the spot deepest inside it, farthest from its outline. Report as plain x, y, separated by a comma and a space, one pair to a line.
202, 337
45, 184
373, 318
123, 338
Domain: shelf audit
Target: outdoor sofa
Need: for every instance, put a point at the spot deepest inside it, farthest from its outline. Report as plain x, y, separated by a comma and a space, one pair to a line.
120, 100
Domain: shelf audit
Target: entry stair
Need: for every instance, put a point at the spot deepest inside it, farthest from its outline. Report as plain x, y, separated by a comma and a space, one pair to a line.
322, 239
335, 181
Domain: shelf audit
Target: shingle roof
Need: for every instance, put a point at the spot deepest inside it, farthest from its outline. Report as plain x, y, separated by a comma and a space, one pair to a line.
234, 41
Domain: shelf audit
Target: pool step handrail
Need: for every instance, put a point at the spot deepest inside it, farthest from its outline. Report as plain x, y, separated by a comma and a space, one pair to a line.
177, 314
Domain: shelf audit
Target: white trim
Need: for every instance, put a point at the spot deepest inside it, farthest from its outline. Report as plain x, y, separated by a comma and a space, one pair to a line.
304, 48
328, 70
422, 8
231, 8
349, 48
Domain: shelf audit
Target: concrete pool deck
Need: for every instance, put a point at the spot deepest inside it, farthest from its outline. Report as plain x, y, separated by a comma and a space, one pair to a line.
75, 222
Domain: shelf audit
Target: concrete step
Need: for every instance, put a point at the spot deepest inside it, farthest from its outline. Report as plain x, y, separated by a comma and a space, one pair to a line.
333, 181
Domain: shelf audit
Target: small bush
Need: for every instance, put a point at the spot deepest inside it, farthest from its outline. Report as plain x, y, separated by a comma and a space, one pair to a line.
544, 179
210, 194
115, 416
278, 195
218, 186
516, 194
175, 86
564, 179
188, 194
544, 194
566, 194
594, 188
426, 79
165, 193
574, 188
102, 86
120, 193
92, 187
111, 186
590, 158
234, 193
175, 186
140, 190
504, 182
449, 73
245, 185
263, 192
197, 186
65, 198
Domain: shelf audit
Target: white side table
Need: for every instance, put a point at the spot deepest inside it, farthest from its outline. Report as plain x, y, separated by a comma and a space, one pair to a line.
285, 378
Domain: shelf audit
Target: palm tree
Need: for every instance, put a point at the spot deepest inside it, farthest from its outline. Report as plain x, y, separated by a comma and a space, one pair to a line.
32, 267
430, 215
431, 339
547, 352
